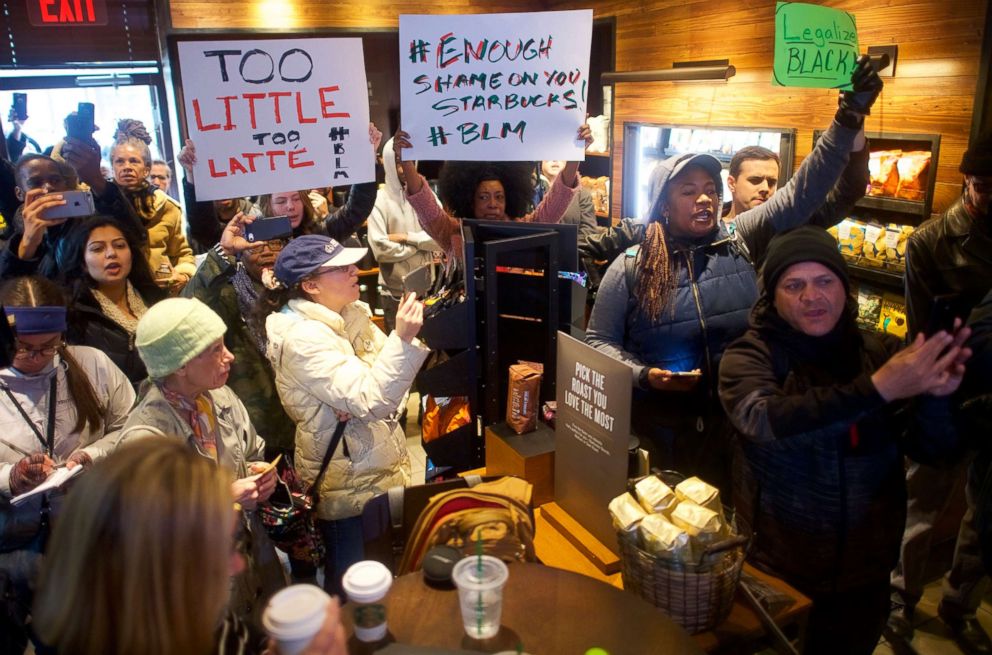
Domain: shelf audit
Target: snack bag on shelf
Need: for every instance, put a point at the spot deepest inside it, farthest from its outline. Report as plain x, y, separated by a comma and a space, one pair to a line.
892, 317
912, 168
869, 307
873, 251
895, 245
850, 235
883, 172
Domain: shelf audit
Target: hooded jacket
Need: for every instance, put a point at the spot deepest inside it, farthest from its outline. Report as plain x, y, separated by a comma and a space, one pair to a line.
327, 362
819, 482
717, 282
393, 214
166, 240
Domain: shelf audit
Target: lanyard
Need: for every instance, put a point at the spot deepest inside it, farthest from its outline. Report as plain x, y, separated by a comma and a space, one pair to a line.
47, 441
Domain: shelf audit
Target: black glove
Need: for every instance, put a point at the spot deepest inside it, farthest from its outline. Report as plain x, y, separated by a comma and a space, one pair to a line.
854, 105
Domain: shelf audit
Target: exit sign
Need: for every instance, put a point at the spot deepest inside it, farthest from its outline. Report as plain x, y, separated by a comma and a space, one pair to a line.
67, 13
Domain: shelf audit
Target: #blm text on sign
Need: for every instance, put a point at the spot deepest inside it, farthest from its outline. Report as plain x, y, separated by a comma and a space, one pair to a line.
814, 46
496, 87
276, 115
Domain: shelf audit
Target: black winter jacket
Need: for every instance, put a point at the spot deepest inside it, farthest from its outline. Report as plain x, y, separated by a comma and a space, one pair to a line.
819, 482
89, 326
947, 255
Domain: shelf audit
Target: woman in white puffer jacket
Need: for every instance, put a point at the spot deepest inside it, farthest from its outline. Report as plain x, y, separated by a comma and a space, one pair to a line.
331, 363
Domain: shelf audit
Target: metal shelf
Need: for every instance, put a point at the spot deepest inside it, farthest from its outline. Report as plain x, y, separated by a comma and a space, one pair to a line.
880, 276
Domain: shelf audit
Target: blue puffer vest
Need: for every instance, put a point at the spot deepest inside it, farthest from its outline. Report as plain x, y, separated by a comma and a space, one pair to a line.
717, 285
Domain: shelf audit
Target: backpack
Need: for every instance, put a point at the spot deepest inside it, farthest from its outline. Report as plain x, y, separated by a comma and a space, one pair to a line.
495, 516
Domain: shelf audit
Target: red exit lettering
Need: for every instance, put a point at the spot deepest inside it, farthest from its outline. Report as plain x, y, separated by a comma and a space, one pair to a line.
53, 13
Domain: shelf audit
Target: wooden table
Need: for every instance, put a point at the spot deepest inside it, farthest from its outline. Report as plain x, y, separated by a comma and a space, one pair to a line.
546, 609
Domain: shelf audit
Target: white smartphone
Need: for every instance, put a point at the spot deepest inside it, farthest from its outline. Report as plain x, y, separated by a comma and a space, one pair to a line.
77, 203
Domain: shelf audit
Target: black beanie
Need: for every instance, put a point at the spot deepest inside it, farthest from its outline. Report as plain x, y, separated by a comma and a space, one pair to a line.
977, 159
803, 244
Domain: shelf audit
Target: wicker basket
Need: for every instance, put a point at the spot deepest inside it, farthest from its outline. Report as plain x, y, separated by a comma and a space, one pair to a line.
696, 596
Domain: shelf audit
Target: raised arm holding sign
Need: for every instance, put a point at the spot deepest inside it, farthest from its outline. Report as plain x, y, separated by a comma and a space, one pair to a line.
263, 112
497, 87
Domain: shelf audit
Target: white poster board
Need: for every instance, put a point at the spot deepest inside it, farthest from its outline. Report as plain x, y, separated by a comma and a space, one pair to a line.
495, 87
276, 115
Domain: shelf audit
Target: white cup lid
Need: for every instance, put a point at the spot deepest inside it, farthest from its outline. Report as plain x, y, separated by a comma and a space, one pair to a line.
367, 581
294, 609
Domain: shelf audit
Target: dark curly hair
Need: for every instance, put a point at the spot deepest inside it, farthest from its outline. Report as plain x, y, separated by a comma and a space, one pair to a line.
459, 179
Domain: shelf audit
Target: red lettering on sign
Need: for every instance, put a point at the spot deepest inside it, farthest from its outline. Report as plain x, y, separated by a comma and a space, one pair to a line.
326, 102
299, 110
293, 163
46, 14
228, 125
275, 95
199, 121
214, 172
251, 98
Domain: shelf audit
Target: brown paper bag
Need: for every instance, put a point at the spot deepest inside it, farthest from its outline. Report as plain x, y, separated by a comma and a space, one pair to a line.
523, 396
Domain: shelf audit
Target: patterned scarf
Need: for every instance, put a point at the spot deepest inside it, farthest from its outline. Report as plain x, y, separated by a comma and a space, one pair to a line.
201, 417
114, 313
247, 292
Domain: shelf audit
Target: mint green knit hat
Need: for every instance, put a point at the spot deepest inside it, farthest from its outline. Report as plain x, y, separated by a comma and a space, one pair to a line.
174, 331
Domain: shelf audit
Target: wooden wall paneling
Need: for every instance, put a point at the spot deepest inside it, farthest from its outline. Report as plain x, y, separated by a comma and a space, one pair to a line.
262, 14
934, 91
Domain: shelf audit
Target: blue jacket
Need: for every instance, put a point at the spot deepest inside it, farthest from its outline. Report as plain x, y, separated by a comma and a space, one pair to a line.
717, 283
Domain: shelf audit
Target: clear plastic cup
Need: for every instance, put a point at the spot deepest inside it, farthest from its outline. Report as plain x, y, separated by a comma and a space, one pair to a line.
480, 581
294, 615
366, 584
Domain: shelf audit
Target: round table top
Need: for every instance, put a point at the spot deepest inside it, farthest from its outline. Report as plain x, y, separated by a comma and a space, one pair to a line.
547, 610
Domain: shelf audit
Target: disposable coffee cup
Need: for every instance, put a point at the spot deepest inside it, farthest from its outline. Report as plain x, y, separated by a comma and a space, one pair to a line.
480, 581
294, 615
366, 584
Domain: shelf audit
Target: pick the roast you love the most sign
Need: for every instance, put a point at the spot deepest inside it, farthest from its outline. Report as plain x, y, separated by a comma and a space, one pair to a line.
276, 115
495, 87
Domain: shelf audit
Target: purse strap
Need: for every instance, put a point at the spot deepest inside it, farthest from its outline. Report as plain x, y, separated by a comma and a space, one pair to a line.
335, 440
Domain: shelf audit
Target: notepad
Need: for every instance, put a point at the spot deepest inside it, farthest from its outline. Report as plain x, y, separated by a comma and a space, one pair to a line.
58, 477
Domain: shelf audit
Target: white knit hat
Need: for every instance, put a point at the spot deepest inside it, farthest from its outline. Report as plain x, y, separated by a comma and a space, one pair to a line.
174, 331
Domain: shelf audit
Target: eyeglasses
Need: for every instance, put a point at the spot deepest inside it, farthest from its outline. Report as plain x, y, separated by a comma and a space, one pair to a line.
273, 246
333, 269
23, 352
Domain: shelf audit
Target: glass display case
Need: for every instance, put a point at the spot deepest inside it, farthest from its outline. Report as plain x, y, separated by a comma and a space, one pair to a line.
645, 144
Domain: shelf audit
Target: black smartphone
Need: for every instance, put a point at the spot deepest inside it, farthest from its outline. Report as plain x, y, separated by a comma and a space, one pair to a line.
20, 106
80, 124
943, 311
268, 229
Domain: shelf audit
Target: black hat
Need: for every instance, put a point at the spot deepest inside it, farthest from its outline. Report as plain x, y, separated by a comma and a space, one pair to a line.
803, 244
977, 159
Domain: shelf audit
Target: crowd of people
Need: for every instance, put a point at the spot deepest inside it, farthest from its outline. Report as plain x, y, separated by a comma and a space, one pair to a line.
171, 357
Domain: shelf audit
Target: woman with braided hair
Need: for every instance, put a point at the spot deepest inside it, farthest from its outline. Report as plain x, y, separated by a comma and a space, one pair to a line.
169, 255
670, 307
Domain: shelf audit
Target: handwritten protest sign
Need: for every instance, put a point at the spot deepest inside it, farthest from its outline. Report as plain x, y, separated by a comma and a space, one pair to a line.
497, 87
814, 46
276, 115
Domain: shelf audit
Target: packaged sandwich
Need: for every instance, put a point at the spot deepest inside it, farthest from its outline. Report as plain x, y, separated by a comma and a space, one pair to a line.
869, 307
626, 512
704, 525
883, 172
665, 540
912, 168
696, 491
523, 396
655, 496
850, 235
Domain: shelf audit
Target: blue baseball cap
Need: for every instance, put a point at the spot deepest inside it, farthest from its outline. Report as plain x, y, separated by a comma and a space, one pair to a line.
305, 254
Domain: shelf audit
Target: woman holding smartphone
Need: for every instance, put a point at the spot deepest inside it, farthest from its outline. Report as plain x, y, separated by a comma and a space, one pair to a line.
333, 364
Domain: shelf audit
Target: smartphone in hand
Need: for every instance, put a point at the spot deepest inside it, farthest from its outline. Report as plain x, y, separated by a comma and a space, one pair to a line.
269, 229
77, 203
80, 125
20, 106
943, 310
